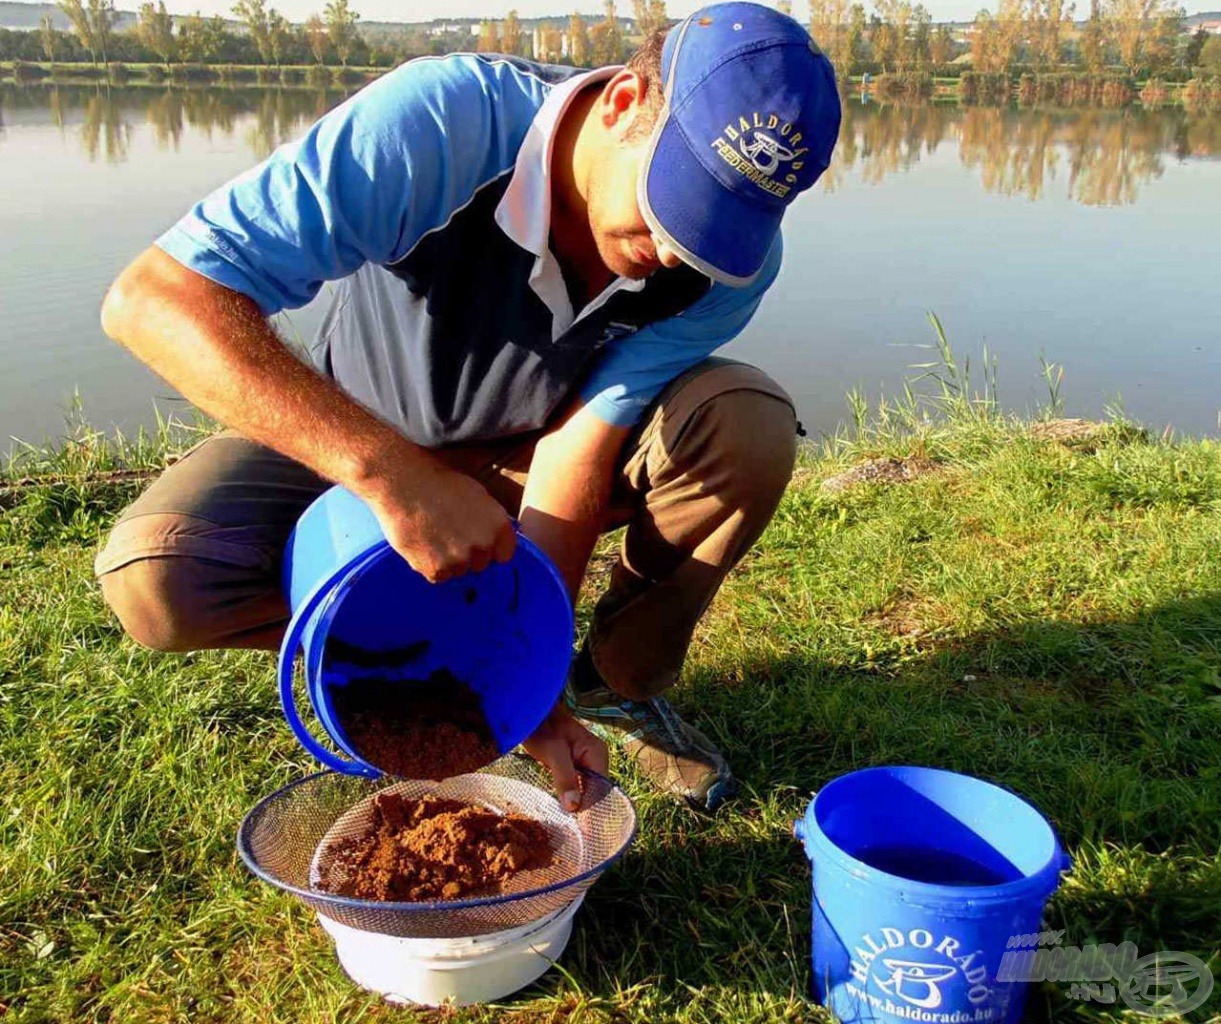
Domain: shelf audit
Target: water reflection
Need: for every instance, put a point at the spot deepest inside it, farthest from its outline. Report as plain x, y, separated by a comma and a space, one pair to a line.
1095, 157
107, 116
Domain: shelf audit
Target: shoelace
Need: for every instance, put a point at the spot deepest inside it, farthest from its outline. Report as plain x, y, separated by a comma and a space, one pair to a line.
659, 709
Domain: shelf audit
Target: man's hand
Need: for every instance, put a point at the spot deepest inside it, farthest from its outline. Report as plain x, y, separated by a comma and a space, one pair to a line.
562, 745
442, 522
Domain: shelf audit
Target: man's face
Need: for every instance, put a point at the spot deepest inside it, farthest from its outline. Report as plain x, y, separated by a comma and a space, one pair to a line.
627, 247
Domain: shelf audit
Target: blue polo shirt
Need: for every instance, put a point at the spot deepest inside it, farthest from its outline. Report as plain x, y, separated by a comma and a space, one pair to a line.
426, 197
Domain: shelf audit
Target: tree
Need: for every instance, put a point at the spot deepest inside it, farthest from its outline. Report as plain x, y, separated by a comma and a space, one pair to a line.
1094, 40
922, 29
489, 37
155, 29
316, 37
341, 24
253, 14
1210, 55
1010, 30
785, 7
1161, 49
279, 36
550, 42
1195, 47
941, 46
578, 41
48, 37
854, 36
75, 10
1133, 25
829, 29
651, 15
102, 16
202, 40
191, 38
883, 41
1050, 19
510, 33
606, 38
895, 17
983, 42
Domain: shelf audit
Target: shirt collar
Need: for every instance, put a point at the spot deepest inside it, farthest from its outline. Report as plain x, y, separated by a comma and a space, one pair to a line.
524, 211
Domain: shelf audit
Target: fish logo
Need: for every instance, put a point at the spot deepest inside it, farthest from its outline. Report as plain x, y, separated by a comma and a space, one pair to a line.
765, 152
914, 982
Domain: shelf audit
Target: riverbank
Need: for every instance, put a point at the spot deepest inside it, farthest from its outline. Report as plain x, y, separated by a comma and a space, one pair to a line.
1067, 89
1038, 606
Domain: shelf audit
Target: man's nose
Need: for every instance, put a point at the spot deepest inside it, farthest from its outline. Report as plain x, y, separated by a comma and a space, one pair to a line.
666, 256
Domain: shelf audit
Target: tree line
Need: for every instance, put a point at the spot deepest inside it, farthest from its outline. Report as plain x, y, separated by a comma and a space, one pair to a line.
1138, 38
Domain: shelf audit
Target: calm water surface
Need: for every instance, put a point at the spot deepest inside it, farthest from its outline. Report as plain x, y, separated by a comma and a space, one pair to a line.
1090, 237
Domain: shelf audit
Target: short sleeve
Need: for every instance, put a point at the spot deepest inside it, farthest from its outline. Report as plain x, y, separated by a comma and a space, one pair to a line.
363, 185
636, 368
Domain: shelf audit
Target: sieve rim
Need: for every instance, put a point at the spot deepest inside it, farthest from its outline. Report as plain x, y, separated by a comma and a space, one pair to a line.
309, 895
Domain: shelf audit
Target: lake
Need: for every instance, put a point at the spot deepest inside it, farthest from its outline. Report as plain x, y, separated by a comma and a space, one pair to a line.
1089, 237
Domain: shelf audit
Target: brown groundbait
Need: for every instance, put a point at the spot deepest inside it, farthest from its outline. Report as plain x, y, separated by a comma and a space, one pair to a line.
429, 849
416, 729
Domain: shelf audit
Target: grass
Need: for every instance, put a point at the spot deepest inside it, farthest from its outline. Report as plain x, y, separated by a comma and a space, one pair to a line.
1043, 615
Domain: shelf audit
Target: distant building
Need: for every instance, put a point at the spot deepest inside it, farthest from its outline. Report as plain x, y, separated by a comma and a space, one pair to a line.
454, 28
1212, 26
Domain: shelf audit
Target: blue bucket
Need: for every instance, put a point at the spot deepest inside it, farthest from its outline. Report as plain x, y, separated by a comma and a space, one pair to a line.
506, 631
921, 877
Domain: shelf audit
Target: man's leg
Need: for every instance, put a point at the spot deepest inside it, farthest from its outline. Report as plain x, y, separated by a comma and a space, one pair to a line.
195, 561
703, 476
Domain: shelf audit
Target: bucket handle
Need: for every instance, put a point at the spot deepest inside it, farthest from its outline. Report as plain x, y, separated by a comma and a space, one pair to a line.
288, 656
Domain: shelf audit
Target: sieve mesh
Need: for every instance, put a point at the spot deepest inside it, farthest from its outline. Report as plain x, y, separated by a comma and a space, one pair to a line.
288, 838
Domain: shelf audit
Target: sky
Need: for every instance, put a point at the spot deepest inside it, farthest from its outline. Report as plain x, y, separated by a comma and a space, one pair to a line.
426, 10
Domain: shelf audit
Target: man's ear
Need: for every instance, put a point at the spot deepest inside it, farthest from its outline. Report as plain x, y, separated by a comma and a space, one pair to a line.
621, 102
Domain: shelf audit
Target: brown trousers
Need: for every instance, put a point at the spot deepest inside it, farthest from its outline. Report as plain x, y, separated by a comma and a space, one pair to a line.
195, 561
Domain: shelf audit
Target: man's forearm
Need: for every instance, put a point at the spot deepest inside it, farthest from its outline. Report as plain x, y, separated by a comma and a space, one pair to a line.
215, 347
568, 491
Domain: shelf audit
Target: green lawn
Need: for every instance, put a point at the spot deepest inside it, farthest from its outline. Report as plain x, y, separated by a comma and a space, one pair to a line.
1045, 616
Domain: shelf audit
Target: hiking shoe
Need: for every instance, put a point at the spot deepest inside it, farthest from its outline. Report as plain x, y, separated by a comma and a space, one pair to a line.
676, 757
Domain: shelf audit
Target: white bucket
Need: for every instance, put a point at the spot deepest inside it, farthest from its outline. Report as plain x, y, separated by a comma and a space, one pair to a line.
461, 971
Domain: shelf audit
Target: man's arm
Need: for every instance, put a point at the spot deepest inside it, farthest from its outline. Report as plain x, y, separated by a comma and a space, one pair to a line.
563, 510
568, 489
362, 185
214, 345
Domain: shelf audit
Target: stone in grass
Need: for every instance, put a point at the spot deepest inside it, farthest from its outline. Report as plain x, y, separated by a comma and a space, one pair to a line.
1073, 433
886, 470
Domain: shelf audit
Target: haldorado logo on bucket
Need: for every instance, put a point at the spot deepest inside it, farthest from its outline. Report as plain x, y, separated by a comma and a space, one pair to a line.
915, 970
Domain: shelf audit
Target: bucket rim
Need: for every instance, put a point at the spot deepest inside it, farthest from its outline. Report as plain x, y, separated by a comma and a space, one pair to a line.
1043, 881
315, 896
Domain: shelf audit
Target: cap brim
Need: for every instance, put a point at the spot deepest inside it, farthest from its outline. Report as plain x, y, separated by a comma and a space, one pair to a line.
712, 229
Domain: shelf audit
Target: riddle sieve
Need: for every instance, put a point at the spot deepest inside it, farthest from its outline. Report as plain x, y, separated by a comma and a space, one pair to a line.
287, 838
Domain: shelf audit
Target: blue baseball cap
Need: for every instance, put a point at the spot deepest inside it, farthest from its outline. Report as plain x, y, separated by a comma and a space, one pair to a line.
749, 119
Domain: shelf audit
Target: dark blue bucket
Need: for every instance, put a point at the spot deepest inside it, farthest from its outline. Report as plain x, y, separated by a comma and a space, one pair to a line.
506, 632
921, 877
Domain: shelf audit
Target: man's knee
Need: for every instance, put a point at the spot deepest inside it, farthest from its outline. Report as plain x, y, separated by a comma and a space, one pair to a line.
157, 603
734, 429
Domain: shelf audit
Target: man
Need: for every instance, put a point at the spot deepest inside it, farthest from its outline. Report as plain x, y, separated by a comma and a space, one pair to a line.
534, 265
